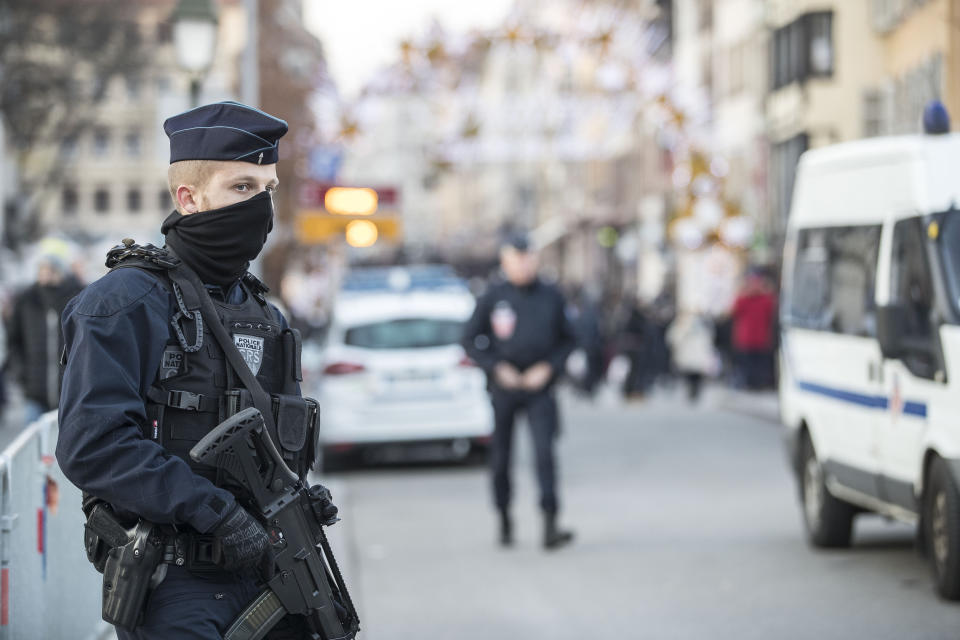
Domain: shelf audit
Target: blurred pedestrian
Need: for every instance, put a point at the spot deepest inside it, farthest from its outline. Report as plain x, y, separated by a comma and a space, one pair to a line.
589, 332
662, 313
520, 335
691, 342
753, 316
634, 343
34, 338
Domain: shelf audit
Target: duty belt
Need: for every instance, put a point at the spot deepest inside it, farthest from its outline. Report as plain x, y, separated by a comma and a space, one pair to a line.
194, 551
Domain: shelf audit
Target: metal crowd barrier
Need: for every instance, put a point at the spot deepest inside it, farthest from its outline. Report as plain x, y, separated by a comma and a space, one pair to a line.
48, 589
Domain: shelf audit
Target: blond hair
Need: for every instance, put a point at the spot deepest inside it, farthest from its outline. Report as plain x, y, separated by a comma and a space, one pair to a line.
195, 174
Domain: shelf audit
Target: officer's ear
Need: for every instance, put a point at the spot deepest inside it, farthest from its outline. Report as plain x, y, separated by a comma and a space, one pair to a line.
188, 199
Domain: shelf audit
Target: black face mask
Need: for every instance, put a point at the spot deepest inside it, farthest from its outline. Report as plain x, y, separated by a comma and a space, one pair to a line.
219, 244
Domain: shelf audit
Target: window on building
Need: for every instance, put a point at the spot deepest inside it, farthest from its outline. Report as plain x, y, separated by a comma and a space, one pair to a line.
69, 200
134, 200
873, 107
705, 15
819, 43
68, 148
834, 280
784, 158
132, 144
164, 32
164, 201
736, 69
134, 88
101, 142
101, 200
802, 49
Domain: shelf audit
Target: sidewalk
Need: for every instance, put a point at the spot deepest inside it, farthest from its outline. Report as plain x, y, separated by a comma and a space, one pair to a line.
757, 404
764, 405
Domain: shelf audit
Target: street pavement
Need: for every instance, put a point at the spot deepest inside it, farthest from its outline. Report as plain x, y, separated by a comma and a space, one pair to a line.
687, 527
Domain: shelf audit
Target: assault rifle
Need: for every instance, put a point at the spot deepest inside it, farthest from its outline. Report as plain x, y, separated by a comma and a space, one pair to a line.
306, 578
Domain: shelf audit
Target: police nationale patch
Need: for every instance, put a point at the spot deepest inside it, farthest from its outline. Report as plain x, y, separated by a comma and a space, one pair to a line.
251, 348
172, 362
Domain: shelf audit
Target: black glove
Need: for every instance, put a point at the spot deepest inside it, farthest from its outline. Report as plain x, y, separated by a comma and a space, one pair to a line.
323, 508
241, 541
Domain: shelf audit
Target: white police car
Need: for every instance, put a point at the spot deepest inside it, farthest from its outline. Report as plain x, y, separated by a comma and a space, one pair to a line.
395, 382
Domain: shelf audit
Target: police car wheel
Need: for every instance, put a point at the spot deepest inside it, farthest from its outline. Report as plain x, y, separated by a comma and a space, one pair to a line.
941, 518
828, 521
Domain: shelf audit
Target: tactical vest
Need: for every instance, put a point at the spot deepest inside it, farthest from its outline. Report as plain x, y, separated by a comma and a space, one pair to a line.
195, 388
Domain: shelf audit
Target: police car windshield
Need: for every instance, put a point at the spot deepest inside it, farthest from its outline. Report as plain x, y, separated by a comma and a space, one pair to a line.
407, 333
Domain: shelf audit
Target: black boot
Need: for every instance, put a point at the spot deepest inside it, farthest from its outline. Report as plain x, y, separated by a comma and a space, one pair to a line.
554, 537
506, 529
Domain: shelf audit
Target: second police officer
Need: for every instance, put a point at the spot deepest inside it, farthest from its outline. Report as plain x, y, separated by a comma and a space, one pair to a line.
144, 381
520, 336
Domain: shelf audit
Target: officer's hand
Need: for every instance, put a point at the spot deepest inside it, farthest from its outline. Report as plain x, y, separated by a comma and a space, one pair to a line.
506, 376
323, 508
241, 541
536, 377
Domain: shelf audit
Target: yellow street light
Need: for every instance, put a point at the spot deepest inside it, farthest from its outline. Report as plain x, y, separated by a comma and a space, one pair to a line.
361, 233
350, 201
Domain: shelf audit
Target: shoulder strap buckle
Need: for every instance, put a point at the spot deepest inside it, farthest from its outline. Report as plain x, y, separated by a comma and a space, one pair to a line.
256, 286
147, 253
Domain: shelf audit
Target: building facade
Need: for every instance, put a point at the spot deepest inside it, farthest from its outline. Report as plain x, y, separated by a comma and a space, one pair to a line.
847, 70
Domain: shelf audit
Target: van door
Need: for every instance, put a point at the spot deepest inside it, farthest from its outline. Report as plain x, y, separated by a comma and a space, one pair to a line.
832, 351
910, 382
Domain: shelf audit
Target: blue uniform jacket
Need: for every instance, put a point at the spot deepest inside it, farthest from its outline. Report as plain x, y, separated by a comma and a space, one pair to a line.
534, 328
115, 332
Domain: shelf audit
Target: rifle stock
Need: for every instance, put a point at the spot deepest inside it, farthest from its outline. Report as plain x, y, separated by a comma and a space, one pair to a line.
301, 583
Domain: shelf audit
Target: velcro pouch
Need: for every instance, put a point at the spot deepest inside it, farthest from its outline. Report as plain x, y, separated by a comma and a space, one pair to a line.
292, 423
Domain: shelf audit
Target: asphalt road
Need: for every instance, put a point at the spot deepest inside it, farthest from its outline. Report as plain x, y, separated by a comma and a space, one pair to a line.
687, 527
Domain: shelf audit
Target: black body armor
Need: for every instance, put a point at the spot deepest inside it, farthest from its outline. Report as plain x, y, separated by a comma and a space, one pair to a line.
195, 388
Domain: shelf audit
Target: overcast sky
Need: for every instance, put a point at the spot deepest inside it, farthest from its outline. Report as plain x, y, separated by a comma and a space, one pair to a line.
361, 36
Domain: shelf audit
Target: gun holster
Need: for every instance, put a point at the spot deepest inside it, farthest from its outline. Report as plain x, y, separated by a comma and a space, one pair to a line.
129, 559
129, 573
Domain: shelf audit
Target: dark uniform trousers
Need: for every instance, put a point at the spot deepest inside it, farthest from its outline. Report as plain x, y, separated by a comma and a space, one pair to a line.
541, 412
191, 607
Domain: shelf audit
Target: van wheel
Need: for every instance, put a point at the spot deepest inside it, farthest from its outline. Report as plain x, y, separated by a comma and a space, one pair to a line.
941, 516
829, 521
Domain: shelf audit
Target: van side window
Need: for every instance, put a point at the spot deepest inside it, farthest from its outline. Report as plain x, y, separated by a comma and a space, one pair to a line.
834, 280
811, 286
910, 278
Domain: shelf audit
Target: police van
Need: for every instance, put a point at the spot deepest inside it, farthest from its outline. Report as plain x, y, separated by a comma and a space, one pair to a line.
870, 357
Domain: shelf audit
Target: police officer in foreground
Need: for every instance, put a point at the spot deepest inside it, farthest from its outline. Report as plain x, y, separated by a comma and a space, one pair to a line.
145, 380
520, 335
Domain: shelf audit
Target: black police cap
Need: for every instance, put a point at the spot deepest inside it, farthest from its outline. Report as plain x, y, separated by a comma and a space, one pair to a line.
517, 240
224, 131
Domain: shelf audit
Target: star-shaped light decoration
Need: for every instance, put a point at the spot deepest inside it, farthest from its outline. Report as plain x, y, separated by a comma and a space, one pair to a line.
603, 40
349, 128
471, 128
407, 50
436, 53
513, 35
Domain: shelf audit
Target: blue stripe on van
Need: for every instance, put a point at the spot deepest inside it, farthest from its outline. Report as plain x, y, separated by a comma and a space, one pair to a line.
918, 409
915, 409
